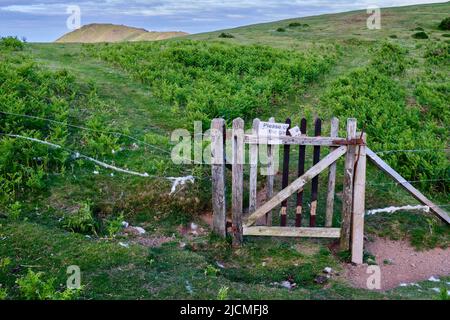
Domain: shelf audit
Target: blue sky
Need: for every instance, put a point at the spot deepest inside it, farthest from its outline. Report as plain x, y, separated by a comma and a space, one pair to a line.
45, 20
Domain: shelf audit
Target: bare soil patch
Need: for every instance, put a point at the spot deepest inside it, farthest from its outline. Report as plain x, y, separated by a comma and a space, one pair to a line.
400, 263
153, 242
146, 239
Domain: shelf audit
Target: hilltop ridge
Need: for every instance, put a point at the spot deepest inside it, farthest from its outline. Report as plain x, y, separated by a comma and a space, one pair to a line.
98, 32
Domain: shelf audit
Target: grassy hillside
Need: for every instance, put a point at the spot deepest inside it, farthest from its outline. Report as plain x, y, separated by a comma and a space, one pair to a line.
96, 32
343, 28
118, 103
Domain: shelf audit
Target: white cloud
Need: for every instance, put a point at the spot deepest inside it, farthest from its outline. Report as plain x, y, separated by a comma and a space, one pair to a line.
38, 9
235, 16
196, 7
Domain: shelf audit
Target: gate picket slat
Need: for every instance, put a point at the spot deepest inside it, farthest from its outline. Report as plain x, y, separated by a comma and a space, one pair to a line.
315, 181
253, 170
285, 179
218, 176
238, 155
301, 171
270, 177
331, 178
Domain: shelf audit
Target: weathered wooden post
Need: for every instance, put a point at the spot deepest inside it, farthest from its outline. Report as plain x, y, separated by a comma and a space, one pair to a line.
238, 157
331, 177
270, 176
300, 172
359, 193
253, 169
315, 180
347, 196
285, 178
218, 176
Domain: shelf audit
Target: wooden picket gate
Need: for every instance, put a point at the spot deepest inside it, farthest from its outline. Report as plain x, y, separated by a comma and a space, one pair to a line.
353, 147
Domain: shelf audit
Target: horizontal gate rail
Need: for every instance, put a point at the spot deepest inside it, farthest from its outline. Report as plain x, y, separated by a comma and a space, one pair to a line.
292, 232
302, 140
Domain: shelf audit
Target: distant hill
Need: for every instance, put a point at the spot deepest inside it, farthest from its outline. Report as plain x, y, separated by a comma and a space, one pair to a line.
92, 33
344, 28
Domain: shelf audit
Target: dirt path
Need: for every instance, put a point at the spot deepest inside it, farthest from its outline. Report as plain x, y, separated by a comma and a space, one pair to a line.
400, 263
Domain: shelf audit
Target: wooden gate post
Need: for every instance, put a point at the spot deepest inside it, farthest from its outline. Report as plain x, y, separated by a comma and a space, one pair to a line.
238, 155
359, 193
347, 196
218, 176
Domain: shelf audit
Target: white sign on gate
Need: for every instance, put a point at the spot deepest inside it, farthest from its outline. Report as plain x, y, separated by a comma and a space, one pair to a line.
272, 129
295, 131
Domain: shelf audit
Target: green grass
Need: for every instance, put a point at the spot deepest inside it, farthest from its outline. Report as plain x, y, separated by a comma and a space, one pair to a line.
140, 273
172, 272
339, 28
203, 80
34, 236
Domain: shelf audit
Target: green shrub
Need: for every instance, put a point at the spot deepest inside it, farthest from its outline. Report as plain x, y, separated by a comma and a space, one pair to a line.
114, 225
390, 59
15, 210
4, 264
378, 102
443, 294
203, 80
420, 35
418, 29
23, 164
12, 43
81, 221
211, 271
438, 53
432, 92
446, 35
393, 36
3, 293
225, 35
280, 29
27, 89
295, 24
445, 24
223, 293
32, 287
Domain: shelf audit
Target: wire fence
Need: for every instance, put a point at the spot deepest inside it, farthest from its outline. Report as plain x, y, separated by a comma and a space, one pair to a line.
406, 181
76, 154
115, 133
408, 207
206, 135
411, 151
176, 181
